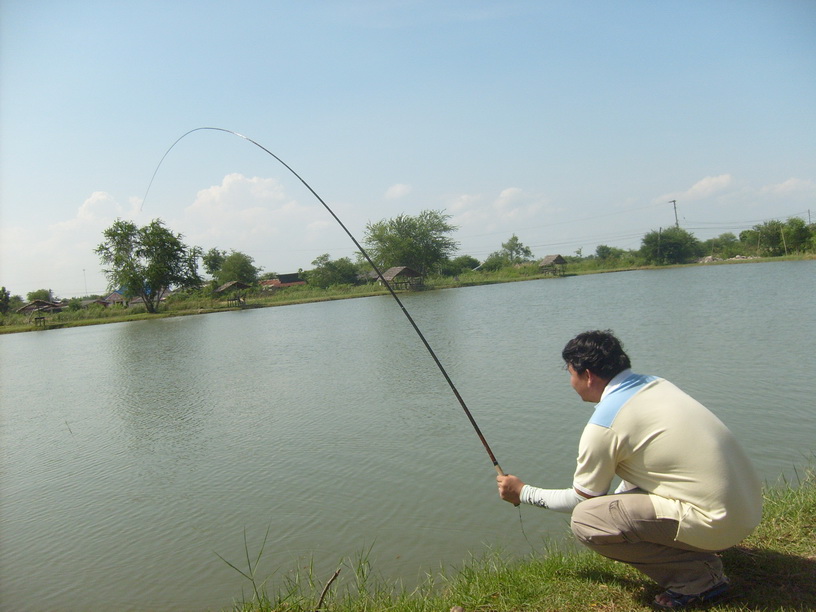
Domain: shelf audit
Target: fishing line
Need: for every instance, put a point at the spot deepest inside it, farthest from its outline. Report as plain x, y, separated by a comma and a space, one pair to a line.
368, 259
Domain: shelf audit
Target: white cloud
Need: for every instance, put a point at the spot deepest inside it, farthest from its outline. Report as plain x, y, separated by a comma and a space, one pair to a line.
507, 212
99, 205
250, 214
60, 256
511, 203
791, 187
461, 203
240, 207
394, 192
709, 186
703, 189
256, 216
726, 190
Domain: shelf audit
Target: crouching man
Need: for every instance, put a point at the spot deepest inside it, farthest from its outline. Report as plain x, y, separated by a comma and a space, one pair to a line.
688, 489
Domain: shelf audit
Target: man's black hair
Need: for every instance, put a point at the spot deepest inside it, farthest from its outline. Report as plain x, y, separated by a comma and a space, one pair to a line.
598, 351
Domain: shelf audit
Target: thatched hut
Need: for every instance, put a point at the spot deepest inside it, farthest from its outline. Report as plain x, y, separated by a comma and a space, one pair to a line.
402, 277
41, 306
553, 264
232, 286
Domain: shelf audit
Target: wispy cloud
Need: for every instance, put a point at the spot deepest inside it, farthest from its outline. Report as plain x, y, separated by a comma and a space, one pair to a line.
506, 210
256, 216
701, 190
791, 187
400, 190
67, 245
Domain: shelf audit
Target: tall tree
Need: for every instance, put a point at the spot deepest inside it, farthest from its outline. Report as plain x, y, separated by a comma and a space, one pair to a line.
237, 266
420, 242
212, 261
147, 261
326, 272
5, 300
512, 252
673, 245
516, 251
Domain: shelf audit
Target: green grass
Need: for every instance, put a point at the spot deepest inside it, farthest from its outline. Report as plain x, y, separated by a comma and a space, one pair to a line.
774, 569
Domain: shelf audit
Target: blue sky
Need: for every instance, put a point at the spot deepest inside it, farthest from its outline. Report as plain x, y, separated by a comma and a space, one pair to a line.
568, 124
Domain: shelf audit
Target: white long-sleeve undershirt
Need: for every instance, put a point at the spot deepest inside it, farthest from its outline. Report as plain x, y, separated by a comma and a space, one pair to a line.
559, 500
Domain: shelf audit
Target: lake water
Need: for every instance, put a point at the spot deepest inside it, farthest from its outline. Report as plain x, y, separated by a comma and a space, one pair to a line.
134, 454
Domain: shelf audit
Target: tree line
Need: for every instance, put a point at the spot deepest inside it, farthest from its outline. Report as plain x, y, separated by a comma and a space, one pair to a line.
146, 262
675, 245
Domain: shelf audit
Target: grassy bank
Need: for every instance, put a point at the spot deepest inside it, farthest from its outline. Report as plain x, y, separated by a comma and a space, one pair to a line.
202, 302
774, 569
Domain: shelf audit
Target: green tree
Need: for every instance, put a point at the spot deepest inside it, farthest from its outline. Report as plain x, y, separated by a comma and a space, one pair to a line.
725, 246
458, 265
796, 235
5, 301
516, 251
608, 253
770, 238
495, 261
147, 261
326, 272
420, 242
749, 241
40, 294
670, 246
774, 238
512, 252
237, 266
212, 261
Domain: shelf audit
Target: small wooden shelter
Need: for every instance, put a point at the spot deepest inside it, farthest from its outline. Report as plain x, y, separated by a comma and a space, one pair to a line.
232, 286
553, 264
232, 291
402, 277
41, 306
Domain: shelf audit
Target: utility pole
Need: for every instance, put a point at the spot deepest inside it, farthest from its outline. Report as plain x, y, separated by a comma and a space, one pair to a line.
676, 222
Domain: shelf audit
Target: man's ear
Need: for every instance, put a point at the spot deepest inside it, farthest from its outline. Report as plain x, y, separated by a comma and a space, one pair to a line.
596, 383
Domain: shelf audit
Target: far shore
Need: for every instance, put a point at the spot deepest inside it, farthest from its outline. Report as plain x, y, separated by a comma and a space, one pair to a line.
205, 305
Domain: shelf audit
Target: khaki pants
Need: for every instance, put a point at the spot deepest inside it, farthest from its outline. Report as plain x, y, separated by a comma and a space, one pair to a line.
624, 527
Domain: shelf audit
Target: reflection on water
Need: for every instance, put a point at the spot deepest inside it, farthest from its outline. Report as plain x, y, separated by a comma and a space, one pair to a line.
133, 453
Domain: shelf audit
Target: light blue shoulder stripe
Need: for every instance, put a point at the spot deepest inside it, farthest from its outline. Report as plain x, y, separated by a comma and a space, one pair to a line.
609, 407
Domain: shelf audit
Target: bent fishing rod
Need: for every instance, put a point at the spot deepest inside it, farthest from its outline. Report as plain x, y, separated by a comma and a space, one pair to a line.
367, 258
